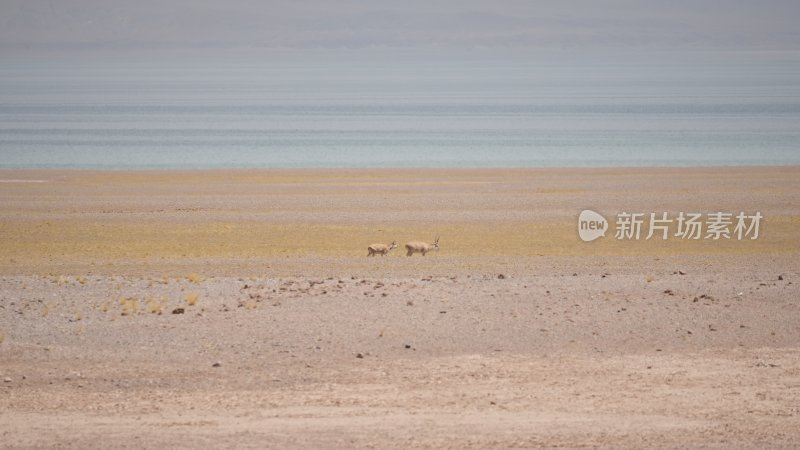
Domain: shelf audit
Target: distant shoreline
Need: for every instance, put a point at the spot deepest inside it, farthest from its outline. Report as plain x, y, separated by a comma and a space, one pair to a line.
465, 169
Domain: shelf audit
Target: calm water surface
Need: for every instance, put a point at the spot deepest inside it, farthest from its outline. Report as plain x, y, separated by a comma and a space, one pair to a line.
262, 115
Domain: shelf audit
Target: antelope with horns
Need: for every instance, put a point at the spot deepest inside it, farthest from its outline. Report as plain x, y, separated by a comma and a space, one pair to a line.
381, 249
421, 247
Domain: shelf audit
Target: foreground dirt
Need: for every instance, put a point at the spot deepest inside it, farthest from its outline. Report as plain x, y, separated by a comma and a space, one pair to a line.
559, 360
238, 309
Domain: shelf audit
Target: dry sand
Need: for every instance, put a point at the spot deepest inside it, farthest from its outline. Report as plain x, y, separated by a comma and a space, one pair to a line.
515, 334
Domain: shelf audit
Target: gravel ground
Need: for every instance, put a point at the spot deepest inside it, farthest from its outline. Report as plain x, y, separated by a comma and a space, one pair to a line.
143, 345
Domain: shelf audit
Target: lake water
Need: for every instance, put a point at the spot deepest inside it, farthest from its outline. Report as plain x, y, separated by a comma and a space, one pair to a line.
261, 115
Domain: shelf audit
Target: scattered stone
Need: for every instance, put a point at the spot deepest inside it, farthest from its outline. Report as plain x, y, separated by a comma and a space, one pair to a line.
359, 355
407, 346
780, 277
763, 364
178, 311
669, 292
7, 380
501, 277
216, 364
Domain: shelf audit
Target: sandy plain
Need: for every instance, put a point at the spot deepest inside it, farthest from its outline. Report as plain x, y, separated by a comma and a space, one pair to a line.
516, 334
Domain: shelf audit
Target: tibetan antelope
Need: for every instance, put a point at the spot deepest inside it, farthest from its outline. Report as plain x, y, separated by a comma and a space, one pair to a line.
381, 249
421, 247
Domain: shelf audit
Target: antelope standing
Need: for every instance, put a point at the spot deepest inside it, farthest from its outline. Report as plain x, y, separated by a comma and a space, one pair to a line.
421, 247
382, 249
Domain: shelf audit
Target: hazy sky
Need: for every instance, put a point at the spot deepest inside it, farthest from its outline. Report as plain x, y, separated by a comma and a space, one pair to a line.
512, 26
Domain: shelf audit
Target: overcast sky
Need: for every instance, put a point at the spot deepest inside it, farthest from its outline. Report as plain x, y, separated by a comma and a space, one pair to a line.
512, 26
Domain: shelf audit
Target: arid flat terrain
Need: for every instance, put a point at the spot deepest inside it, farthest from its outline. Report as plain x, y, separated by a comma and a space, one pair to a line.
239, 309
